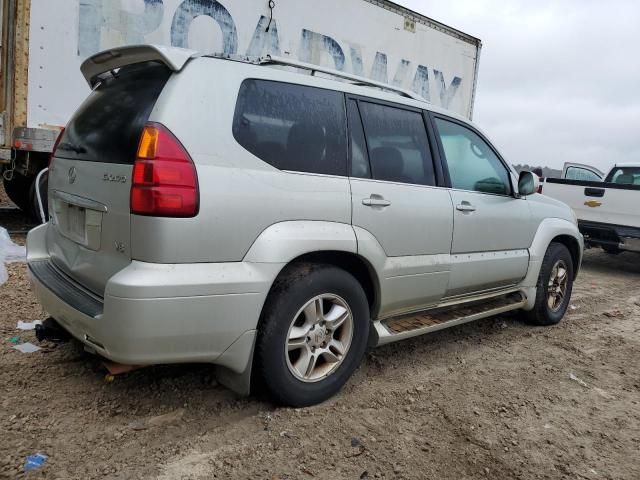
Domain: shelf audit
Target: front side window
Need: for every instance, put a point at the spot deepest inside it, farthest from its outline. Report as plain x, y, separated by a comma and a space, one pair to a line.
578, 173
398, 144
292, 127
472, 163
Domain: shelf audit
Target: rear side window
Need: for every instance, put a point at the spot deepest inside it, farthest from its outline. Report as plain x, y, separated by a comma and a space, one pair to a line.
292, 127
398, 144
625, 175
107, 126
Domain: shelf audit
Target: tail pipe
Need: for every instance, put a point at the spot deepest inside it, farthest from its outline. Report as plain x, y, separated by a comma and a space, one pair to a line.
51, 330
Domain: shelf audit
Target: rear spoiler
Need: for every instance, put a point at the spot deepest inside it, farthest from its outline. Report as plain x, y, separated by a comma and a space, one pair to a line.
108, 60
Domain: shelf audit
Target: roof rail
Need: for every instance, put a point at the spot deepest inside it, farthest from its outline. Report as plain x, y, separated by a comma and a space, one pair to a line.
358, 80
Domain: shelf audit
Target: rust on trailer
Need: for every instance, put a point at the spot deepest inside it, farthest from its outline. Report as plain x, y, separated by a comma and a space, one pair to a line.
21, 69
4, 10
6, 68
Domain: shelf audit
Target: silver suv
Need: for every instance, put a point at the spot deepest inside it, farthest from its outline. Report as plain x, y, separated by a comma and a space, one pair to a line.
276, 223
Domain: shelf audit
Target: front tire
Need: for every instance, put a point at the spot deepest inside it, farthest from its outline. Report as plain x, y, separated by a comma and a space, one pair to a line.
313, 334
554, 287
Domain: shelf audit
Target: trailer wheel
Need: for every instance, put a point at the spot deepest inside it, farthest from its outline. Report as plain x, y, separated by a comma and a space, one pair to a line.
18, 190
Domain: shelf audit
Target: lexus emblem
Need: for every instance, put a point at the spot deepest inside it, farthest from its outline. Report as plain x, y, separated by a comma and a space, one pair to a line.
72, 174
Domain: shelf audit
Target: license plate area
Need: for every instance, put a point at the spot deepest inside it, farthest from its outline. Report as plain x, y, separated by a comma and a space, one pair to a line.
78, 223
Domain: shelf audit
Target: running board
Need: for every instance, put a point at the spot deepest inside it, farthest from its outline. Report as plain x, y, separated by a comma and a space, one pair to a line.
399, 328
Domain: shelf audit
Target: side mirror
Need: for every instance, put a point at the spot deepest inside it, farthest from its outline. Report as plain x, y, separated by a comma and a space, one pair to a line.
528, 183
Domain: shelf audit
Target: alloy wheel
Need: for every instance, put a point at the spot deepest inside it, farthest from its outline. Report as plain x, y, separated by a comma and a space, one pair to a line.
319, 337
557, 286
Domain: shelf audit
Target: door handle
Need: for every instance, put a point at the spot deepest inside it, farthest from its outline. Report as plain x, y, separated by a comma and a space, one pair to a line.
375, 201
465, 207
594, 192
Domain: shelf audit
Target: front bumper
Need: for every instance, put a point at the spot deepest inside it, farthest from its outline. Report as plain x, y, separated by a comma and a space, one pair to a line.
157, 313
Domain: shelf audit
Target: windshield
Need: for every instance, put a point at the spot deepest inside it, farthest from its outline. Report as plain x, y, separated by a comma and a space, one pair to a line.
624, 175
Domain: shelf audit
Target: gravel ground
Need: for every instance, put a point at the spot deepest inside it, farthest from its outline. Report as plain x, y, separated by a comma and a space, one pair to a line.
492, 399
4, 199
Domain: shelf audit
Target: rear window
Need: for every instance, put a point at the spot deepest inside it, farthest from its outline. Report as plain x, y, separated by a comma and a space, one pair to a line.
624, 176
107, 126
292, 127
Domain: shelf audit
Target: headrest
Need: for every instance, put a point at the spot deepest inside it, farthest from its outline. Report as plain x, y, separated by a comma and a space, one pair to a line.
388, 164
625, 178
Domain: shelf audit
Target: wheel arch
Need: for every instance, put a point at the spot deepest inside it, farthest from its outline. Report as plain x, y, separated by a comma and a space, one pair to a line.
292, 243
551, 230
554, 230
574, 249
350, 262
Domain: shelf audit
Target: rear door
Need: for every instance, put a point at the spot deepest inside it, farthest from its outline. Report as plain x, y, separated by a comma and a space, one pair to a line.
90, 178
492, 228
395, 199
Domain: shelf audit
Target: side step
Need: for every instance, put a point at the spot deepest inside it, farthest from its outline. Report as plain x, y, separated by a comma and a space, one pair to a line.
399, 328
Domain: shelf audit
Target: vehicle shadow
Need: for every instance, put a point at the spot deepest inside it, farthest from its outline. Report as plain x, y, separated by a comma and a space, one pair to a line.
598, 261
171, 386
15, 221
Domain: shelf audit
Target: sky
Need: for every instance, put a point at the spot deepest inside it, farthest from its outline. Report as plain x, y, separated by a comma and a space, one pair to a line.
559, 80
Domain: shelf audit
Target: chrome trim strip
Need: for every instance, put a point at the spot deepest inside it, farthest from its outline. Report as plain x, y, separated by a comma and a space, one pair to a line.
80, 201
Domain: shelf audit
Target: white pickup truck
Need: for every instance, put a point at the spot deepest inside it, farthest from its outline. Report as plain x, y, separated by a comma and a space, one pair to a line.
606, 205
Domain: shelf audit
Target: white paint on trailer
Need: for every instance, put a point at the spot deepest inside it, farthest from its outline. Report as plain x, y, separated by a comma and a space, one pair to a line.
366, 37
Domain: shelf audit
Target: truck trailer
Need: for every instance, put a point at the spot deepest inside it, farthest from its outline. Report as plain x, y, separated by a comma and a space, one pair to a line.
44, 43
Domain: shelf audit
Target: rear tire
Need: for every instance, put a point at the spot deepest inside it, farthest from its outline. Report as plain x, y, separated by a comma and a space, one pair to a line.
303, 354
554, 287
18, 190
611, 250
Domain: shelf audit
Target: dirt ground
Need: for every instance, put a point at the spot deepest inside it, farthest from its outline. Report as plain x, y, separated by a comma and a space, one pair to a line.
493, 399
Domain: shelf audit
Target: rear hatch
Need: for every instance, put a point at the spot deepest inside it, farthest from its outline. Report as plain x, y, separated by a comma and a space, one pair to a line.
90, 177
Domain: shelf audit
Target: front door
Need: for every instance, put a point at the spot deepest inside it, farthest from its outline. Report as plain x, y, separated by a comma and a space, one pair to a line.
492, 228
398, 211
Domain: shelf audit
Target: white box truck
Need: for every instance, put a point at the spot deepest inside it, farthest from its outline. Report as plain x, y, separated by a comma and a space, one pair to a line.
44, 42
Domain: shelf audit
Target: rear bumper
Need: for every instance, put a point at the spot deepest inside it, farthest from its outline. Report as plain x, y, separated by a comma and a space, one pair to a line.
609, 235
156, 313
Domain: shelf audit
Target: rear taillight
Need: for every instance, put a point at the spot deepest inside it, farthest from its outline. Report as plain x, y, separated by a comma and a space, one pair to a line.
55, 146
164, 182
